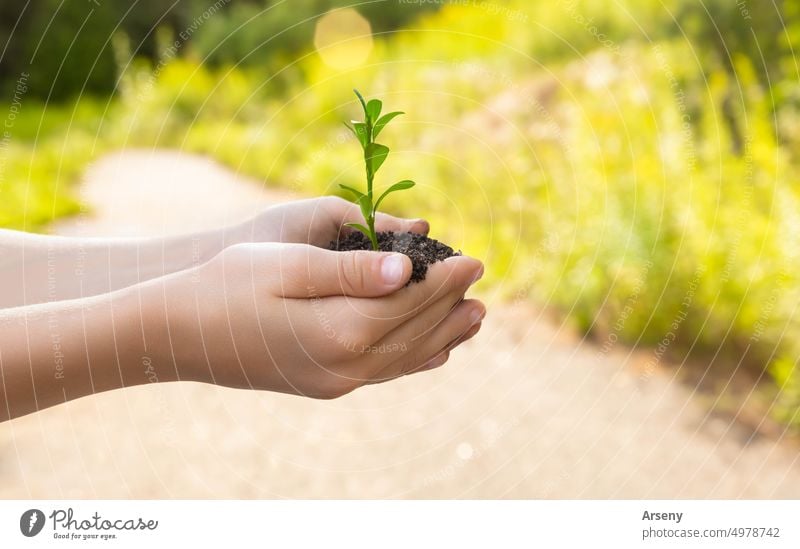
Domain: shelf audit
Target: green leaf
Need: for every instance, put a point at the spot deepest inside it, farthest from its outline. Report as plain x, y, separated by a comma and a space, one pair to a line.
399, 186
363, 103
382, 121
361, 133
365, 203
359, 227
375, 155
373, 110
355, 192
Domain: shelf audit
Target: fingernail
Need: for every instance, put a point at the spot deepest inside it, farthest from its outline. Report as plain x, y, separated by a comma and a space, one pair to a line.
392, 269
475, 316
424, 224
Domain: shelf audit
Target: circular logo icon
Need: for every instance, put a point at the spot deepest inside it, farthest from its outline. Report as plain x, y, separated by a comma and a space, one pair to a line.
31, 522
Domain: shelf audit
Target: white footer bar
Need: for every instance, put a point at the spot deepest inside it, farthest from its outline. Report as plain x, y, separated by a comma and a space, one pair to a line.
400, 524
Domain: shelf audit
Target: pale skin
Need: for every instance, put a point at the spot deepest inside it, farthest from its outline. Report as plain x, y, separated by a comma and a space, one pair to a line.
260, 305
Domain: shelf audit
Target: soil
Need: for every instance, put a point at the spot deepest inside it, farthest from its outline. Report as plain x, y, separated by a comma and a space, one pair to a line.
422, 251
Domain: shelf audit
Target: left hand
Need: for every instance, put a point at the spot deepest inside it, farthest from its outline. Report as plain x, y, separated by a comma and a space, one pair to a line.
317, 221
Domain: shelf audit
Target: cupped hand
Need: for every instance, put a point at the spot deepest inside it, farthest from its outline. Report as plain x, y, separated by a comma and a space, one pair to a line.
317, 221
299, 319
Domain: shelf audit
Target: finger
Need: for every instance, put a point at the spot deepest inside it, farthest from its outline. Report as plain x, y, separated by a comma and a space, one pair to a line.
342, 212
440, 358
457, 324
451, 277
386, 222
308, 271
466, 337
376, 356
364, 336
417, 352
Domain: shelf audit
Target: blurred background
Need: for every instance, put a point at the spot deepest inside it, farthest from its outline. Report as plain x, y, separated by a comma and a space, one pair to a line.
627, 170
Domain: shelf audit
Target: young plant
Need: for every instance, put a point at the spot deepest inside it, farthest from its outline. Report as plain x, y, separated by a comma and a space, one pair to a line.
366, 132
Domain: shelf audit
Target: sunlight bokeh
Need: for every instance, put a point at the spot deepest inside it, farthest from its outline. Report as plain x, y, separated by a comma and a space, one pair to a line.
343, 38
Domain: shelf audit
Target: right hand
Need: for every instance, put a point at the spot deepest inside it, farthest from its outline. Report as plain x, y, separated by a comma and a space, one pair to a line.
299, 319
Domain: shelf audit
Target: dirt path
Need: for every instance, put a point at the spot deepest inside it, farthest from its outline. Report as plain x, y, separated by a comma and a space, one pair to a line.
525, 410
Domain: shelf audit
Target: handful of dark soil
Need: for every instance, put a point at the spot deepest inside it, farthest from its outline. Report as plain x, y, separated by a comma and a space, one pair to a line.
422, 251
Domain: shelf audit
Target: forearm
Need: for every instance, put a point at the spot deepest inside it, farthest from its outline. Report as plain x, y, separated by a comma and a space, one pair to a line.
39, 269
55, 352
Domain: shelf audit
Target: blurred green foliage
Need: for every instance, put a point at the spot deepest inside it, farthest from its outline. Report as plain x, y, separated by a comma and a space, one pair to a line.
631, 167
66, 46
272, 34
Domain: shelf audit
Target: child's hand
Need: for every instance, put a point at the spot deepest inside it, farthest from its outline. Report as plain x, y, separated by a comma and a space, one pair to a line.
299, 319
316, 221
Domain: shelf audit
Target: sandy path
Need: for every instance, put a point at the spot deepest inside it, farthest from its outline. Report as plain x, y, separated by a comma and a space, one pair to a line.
524, 410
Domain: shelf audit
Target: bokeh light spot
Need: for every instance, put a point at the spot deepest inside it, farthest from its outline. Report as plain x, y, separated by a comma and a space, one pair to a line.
343, 38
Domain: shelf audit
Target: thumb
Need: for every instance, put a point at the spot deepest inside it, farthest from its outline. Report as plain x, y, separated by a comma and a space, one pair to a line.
310, 271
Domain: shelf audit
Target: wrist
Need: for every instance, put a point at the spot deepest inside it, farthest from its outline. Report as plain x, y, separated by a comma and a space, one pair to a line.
204, 246
199, 248
161, 320
263, 227
139, 343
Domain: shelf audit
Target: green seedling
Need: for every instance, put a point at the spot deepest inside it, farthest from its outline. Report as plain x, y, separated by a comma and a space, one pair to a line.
366, 132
